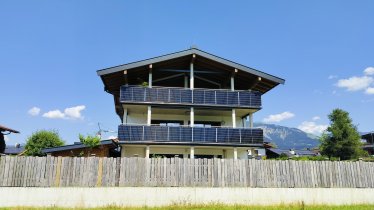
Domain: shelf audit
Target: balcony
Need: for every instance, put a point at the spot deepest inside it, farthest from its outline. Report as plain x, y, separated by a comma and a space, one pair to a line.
184, 96
190, 135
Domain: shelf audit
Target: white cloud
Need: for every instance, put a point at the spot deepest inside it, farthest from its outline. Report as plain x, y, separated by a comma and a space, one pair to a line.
332, 77
369, 90
69, 113
278, 117
74, 112
355, 83
316, 118
369, 71
34, 111
312, 127
55, 114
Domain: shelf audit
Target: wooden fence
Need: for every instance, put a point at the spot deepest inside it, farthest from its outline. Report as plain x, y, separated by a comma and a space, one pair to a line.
110, 172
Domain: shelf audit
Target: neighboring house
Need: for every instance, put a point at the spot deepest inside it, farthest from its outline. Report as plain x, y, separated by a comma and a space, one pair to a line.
368, 141
107, 148
188, 104
275, 153
14, 150
4, 131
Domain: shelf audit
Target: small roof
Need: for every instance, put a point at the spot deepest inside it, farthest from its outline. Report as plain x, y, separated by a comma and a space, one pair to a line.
76, 146
12, 150
3, 128
367, 134
287, 152
190, 51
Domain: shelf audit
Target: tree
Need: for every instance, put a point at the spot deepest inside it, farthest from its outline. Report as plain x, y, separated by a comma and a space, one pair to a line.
40, 140
90, 141
342, 139
2, 143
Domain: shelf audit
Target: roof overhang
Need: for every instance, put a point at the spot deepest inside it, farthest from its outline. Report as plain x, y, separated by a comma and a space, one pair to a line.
191, 51
3, 128
219, 69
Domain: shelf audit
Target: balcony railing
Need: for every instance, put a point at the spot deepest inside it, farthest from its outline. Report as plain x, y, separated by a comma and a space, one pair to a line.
184, 96
186, 134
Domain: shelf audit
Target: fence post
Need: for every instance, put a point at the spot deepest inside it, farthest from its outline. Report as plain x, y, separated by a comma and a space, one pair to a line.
99, 173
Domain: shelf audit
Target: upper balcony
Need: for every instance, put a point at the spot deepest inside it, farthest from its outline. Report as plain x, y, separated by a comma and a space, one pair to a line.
196, 97
190, 135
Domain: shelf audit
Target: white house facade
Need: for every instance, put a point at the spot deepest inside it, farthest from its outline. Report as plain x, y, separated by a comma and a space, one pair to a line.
188, 104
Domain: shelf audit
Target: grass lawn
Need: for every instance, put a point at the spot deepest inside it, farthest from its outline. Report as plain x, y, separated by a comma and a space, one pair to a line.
215, 207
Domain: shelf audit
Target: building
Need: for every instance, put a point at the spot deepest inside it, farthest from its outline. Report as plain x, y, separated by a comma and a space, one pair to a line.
276, 153
188, 104
368, 142
4, 131
17, 149
107, 148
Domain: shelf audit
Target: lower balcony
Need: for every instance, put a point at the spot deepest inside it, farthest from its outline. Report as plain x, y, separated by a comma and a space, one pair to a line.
190, 135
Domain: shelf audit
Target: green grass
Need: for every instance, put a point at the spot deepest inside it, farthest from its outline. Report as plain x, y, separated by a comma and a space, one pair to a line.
216, 207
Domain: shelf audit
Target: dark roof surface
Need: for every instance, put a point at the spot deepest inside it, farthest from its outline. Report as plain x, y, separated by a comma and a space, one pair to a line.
189, 52
367, 134
76, 146
12, 150
287, 152
3, 128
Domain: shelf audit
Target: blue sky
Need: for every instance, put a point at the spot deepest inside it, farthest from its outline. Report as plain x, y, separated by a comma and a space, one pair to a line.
50, 51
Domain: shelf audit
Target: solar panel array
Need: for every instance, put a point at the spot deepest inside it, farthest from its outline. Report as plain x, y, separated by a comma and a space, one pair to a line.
222, 135
218, 97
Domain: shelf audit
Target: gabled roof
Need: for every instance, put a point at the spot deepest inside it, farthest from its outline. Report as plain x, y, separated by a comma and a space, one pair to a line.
185, 53
76, 146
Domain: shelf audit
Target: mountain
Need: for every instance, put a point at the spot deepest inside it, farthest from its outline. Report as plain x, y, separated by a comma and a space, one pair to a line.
287, 138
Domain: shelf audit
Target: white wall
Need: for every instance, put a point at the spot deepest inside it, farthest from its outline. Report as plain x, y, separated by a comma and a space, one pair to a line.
226, 152
163, 196
133, 151
139, 118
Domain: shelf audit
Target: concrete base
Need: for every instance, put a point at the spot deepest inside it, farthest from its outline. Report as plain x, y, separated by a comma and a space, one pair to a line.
162, 196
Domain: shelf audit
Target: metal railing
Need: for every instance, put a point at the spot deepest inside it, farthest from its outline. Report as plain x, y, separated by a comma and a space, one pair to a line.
202, 97
219, 135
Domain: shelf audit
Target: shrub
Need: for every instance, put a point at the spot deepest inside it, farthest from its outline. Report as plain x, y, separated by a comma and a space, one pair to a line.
40, 140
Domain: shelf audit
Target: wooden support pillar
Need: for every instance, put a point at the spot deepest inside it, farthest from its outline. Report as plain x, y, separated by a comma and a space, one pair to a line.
192, 117
147, 149
150, 76
125, 76
185, 81
192, 152
192, 77
124, 117
250, 117
235, 153
149, 115
233, 118
233, 89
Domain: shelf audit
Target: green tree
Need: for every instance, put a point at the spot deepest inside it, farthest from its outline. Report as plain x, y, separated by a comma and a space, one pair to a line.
40, 140
90, 141
342, 139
